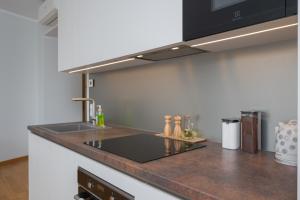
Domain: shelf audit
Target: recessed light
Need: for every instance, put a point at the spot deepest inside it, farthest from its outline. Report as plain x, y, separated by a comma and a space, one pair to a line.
140, 56
103, 65
175, 48
244, 35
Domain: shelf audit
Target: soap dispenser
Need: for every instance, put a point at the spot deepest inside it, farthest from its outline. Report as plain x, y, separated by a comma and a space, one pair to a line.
100, 116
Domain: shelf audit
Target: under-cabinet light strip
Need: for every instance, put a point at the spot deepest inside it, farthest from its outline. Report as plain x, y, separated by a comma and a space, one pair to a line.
245, 35
103, 65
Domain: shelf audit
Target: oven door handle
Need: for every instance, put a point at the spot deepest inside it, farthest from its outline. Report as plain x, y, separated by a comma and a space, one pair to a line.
82, 196
77, 197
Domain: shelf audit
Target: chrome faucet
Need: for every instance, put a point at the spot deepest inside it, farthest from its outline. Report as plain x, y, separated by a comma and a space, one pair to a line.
93, 117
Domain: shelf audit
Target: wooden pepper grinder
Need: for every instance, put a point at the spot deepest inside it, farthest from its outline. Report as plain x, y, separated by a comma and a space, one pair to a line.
177, 129
168, 128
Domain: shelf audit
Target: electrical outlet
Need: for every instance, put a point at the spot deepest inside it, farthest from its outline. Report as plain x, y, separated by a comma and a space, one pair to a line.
91, 83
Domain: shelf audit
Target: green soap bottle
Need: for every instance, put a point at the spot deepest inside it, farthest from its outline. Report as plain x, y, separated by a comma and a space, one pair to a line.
100, 116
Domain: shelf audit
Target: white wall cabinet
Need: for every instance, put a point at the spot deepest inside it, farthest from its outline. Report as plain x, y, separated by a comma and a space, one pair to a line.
98, 30
53, 174
68, 36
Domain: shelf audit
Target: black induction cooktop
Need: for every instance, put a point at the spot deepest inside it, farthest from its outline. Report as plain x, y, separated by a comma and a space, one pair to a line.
143, 147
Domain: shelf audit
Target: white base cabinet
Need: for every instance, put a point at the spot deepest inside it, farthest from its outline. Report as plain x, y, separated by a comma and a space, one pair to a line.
52, 170
53, 174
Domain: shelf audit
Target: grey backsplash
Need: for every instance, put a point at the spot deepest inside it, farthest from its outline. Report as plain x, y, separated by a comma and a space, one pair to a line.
208, 86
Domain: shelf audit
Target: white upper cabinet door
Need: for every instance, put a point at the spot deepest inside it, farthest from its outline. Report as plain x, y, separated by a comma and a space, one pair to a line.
92, 31
116, 28
68, 35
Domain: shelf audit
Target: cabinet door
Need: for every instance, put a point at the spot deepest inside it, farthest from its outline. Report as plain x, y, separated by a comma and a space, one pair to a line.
52, 170
291, 7
68, 18
112, 29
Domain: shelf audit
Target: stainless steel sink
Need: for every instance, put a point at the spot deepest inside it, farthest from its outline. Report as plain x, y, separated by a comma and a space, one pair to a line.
63, 128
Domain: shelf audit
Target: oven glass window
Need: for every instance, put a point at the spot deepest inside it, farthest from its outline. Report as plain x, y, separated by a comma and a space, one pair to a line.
220, 4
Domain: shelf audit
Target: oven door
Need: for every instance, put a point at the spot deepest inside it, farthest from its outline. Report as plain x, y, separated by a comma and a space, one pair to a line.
207, 17
291, 7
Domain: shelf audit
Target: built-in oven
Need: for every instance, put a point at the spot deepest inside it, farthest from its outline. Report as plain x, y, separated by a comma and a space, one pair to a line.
291, 7
91, 187
207, 17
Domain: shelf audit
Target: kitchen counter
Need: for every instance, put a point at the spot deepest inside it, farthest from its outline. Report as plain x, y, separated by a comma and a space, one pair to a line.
207, 173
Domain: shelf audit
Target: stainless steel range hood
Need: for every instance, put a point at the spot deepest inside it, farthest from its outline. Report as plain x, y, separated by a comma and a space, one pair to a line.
170, 53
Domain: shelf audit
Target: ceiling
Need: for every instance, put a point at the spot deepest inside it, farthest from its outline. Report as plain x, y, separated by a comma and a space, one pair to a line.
27, 8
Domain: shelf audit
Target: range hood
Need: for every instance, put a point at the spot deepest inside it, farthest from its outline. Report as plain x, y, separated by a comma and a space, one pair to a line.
170, 53
145, 58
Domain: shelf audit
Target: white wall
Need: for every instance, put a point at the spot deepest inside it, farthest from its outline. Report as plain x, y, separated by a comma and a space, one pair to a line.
28, 8
56, 89
32, 91
18, 83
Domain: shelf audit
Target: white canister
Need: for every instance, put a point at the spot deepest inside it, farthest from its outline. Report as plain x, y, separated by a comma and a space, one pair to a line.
231, 133
286, 143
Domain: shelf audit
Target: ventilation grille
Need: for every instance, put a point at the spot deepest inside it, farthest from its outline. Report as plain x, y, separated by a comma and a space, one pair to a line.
171, 53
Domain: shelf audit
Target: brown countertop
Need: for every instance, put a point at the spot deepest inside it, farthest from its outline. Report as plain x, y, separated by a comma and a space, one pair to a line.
207, 173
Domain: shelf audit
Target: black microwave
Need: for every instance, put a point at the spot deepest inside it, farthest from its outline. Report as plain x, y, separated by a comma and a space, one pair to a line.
207, 17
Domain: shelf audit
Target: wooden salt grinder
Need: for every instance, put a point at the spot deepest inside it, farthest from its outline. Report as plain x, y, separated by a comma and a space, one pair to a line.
168, 128
177, 129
